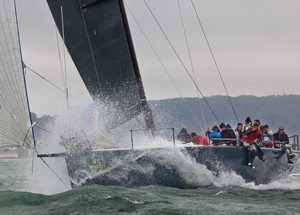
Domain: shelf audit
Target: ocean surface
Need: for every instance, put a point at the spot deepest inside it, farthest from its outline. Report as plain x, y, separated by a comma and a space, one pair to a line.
29, 187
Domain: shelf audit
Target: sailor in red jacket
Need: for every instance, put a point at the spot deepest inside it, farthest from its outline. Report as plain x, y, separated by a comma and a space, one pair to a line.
250, 139
199, 140
251, 134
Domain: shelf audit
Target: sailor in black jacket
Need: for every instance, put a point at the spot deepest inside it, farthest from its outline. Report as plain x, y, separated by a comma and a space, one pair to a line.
280, 140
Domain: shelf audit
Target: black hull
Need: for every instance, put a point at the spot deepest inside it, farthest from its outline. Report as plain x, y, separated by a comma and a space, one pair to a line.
158, 166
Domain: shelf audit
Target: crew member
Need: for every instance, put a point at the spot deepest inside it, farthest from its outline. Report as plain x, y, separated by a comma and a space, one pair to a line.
199, 140
250, 141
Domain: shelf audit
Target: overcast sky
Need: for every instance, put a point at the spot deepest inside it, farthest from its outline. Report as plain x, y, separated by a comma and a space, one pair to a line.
255, 43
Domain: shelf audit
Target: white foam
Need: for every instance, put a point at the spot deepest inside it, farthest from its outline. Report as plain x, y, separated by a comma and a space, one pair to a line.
193, 173
290, 183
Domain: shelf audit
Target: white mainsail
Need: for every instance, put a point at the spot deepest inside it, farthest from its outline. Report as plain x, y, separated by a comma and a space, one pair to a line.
15, 122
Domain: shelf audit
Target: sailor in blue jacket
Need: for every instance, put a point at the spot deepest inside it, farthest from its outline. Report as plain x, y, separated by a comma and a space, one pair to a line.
214, 134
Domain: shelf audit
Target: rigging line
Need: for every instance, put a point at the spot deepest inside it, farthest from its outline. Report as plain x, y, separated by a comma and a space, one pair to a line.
181, 61
25, 66
64, 54
43, 129
90, 44
59, 56
64, 51
53, 171
166, 70
214, 59
191, 61
26, 135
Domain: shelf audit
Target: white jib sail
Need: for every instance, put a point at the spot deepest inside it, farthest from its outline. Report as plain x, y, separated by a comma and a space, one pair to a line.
14, 110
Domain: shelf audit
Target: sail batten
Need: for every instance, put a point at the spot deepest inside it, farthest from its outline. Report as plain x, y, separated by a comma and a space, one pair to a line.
14, 109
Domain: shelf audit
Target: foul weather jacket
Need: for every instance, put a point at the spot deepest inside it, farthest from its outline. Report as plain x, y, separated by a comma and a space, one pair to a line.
200, 140
251, 135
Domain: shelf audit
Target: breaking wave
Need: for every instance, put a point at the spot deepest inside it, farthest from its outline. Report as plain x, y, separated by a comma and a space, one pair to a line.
192, 174
169, 159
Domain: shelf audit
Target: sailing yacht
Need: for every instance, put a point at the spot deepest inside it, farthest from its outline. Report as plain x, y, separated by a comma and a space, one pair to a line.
97, 36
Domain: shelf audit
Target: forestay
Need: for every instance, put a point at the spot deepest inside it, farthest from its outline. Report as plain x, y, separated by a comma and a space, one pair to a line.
15, 126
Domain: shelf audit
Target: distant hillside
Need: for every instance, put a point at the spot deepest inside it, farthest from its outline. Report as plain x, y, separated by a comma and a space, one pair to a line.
271, 110
177, 113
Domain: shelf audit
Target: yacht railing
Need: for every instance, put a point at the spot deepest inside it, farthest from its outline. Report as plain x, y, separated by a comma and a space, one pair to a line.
294, 142
159, 129
216, 141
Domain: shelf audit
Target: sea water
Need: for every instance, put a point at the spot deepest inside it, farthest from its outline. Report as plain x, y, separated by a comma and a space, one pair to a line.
29, 187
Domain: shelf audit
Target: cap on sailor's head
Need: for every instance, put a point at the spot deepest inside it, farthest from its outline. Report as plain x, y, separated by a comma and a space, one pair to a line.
222, 125
215, 128
248, 119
